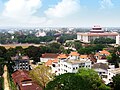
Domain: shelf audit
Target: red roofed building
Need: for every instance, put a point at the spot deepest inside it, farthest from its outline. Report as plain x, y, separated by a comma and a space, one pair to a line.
48, 56
96, 32
23, 81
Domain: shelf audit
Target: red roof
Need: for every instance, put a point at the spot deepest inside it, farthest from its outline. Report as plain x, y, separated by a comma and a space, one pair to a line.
50, 55
22, 78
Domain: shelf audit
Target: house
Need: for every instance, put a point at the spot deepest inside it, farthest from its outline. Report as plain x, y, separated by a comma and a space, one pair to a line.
23, 81
72, 66
54, 63
21, 63
72, 63
101, 56
101, 69
48, 56
74, 55
111, 73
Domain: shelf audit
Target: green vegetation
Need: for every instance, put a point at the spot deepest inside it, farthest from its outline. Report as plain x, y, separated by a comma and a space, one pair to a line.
42, 75
84, 79
11, 83
104, 41
116, 82
65, 37
1, 83
91, 49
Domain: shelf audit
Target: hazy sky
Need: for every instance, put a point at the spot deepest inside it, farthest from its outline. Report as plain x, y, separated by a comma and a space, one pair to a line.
48, 13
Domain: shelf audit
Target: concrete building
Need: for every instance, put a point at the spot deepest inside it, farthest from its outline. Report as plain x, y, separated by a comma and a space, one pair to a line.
73, 63
72, 66
111, 73
21, 65
118, 39
96, 32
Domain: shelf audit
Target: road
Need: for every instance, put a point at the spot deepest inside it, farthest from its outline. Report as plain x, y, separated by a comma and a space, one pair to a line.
6, 84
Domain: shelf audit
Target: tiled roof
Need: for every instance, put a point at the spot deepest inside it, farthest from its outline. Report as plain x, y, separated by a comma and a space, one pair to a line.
50, 55
105, 52
22, 78
74, 54
62, 56
49, 62
83, 56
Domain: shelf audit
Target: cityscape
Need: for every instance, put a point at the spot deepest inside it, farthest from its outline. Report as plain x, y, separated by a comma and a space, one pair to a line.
59, 45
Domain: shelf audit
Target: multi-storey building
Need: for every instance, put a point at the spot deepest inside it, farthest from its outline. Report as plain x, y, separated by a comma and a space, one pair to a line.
21, 65
96, 32
73, 63
118, 39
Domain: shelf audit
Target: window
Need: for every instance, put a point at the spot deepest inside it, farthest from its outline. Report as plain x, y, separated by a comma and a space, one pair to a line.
53, 65
73, 68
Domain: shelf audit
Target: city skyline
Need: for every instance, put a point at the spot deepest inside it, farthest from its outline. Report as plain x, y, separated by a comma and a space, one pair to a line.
59, 13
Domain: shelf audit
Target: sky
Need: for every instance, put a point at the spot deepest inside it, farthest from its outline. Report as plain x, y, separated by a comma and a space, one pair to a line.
60, 13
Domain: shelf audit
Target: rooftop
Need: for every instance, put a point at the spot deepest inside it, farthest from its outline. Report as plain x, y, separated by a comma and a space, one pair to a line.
115, 71
50, 55
74, 54
77, 61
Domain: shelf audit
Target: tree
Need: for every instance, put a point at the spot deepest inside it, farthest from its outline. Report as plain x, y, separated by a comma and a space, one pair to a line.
104, 41
77, 45
114, 59
116, 82
42, 75
33, 53
84, 79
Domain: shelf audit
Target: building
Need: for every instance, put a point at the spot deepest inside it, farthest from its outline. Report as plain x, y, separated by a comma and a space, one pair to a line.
68, 63
40, 34
118, 39
72, 63
23, 81
101, 56
101, 69
54, 63
111, 73
96, 32
21, 63
72, 66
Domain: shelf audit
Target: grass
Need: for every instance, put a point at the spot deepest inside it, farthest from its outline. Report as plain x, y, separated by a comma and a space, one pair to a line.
7, 46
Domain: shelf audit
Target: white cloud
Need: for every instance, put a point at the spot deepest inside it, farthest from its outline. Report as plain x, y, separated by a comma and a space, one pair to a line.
22, 12
63, 9
106, 4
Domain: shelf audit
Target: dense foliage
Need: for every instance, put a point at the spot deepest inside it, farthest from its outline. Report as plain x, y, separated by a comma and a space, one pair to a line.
65, 37
116, 82
104, 41
85, 79
42, 75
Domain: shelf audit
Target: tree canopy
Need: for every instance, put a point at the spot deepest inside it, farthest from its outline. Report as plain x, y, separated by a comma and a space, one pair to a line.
42, 75
84, 79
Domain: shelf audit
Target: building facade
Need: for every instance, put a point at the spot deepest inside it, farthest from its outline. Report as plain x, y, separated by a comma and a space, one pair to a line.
118, 39
96, 32
21, 65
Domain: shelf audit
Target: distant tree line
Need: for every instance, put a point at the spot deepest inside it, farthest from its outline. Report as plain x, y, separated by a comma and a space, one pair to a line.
7, 38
